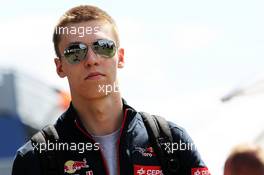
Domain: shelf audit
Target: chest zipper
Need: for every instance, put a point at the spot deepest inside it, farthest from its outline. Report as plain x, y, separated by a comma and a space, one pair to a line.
93, 141
119, 139
101, 154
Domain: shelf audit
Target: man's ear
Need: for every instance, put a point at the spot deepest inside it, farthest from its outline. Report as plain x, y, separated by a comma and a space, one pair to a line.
121, 61
59, 68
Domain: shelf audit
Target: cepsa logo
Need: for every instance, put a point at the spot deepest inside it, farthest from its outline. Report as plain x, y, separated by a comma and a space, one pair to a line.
147, 170
200, 171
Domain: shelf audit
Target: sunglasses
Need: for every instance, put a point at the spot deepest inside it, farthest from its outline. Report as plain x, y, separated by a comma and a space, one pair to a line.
76, 52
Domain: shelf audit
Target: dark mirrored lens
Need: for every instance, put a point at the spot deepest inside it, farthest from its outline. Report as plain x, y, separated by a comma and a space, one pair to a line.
75, 53
104, 48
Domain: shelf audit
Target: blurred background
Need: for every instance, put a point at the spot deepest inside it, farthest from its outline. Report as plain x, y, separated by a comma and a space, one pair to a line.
197, 63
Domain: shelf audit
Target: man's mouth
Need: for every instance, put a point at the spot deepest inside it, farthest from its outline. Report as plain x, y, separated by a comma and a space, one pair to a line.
94, 76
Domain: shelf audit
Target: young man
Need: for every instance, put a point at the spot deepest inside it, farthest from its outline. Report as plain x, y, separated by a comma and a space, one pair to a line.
99, 134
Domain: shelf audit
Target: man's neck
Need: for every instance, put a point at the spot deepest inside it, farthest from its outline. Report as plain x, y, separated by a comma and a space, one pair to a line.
100, 116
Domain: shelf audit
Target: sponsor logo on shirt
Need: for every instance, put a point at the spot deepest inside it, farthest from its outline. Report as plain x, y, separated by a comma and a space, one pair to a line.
200, 171
71, 166
147, 170
145, 152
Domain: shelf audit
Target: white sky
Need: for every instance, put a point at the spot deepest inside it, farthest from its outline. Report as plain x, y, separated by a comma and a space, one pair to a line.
181, 58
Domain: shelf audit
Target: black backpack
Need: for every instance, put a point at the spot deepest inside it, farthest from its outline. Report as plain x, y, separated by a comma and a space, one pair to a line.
158, 131
160, 136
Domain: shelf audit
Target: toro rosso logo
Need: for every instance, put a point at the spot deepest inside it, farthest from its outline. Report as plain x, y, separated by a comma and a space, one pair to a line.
72, 166
145, 152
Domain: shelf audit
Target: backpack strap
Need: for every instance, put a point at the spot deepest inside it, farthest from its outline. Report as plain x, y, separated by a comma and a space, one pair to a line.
161, 138
48, 158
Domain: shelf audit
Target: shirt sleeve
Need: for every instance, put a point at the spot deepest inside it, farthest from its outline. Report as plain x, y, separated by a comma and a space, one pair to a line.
26, 162
190, 160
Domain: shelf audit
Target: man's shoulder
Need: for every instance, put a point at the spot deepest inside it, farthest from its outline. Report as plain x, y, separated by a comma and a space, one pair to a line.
184, 146
26, 153
26, 161
178, 132
26, 149
175, 128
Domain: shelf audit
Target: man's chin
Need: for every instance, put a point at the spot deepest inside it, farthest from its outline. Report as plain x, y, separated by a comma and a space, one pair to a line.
95, 96
100, 89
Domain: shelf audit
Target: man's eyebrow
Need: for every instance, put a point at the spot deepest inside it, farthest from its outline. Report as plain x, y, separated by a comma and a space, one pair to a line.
75, 42
87, 44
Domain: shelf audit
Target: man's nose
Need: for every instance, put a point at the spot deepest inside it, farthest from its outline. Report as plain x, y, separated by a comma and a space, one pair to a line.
91, 58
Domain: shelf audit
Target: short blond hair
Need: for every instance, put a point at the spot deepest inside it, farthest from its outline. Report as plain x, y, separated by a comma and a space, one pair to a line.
82, 13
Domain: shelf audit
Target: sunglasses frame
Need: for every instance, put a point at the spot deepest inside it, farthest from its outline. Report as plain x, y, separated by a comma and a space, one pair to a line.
92, 46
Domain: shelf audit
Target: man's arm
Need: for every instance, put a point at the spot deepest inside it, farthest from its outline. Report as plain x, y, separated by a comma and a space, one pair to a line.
26, 162
190, 159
